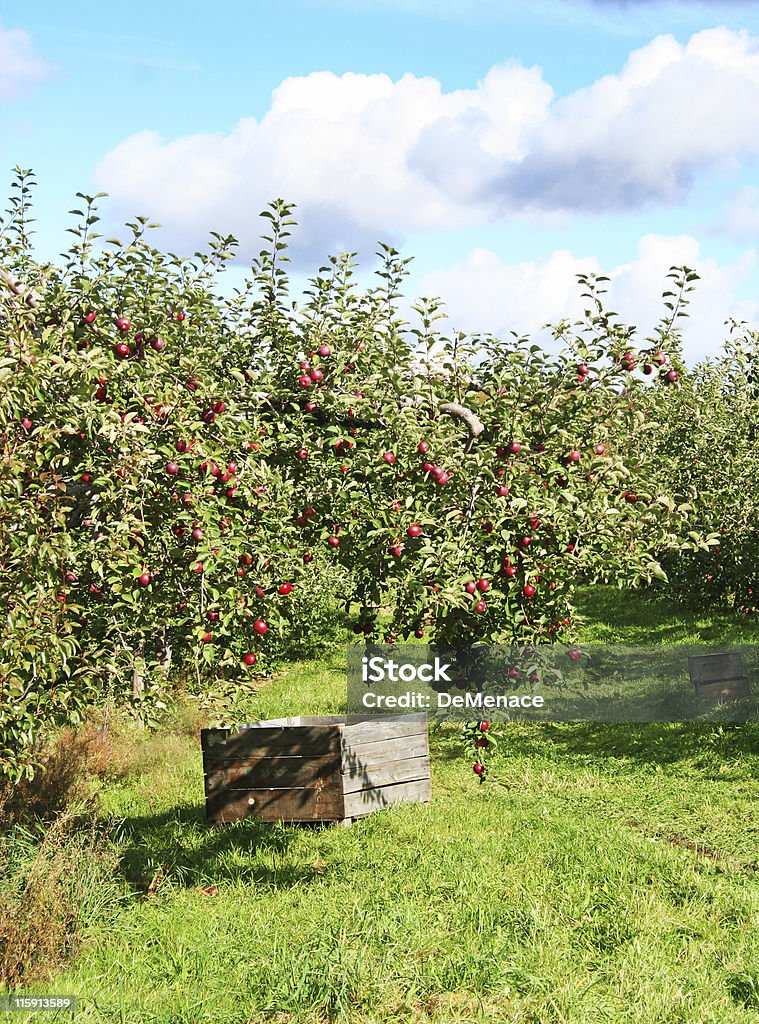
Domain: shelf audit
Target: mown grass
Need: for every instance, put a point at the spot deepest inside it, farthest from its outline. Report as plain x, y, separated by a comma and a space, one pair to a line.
603, 873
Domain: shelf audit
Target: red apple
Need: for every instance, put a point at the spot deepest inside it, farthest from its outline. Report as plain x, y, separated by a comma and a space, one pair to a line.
414, 531
89, 316
157, 344
260, 626
478, 768
422, 447
305, 381
145, 579
249, 659
333, 541
528, 590
389, 458
471, 587
325, 351
285, 589
480, 606
122, 350
483, 585
123, 324
172, 468
600, 449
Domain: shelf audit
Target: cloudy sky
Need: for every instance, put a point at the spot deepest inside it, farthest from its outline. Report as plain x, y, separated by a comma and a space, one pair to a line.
506, 145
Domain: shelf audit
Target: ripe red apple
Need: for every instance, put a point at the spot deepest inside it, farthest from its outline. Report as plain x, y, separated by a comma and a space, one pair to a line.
196, 567
514, 673
172, 468
206, 638
145, 579
514, 448
260, 626
317, 376
484, 726
285, 589
157, 344
197, 534
483, 586
179, 317
502, 491
509, 570
305, 381
659, 358
213, 616
325, 351
480, 606
478, 768
122, 350
333, 541
582, 370
209, 416
422, 447
471, 587
574, 456
600, 449
574, 655
414, 531
525, 541
389, 458
249, 659
308, 558
123, 324
672, 376
648, 369
302, 453
89, 316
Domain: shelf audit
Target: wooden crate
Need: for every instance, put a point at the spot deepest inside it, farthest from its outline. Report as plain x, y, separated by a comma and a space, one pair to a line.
718, 676
315, 769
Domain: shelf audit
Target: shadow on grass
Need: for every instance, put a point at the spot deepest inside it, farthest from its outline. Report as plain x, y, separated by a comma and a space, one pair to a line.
179, 846
647, 743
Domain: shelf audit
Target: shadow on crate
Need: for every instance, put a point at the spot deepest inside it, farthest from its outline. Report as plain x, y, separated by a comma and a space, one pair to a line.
178, 847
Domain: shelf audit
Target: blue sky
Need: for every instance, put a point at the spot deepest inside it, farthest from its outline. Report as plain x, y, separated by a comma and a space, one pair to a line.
506, 146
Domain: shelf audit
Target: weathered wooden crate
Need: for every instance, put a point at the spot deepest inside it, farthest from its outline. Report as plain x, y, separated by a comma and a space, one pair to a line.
315, 769
718, 676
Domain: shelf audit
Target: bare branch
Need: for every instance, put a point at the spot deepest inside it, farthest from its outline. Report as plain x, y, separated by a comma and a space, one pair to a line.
12, 282
473, 423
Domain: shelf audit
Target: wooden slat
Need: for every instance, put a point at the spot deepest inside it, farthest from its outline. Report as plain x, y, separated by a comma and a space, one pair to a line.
725, 689
298, 741
314, 804
388, 773
365, 801
395, 726
708, 668
271, 772
384, 750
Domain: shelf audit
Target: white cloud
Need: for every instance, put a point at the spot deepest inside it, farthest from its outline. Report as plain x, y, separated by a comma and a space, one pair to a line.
19, 67
366, 158
484, 294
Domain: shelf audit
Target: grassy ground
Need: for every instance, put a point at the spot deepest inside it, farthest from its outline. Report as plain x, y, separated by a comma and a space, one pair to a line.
603, 874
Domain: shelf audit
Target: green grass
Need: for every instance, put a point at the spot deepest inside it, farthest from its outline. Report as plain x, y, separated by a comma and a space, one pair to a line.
603, 873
